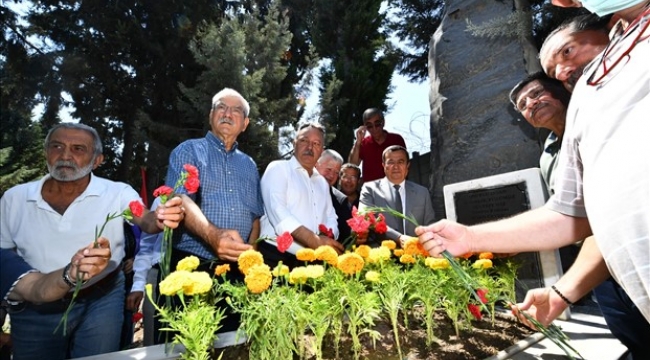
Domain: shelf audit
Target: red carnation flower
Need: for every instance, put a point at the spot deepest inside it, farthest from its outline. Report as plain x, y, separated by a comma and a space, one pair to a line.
192, 171
163, 190
482, 295
192, 184
324, 230
380, 225
136, 207
475, 310
137, 317
284, 241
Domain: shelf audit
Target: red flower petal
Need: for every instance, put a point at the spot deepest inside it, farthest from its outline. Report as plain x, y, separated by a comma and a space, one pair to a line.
192, 184
475, 310
163, 190
482, 295
284, 241
192, 171
137, 208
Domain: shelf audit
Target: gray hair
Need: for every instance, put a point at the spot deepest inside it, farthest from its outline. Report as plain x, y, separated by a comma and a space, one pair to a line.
98, 148
231, 92
331, 154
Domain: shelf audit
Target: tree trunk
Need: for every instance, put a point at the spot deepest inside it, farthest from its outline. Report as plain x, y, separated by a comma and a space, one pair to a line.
475, 131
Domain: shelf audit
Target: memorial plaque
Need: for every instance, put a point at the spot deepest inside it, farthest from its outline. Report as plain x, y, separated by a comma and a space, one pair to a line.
501, 196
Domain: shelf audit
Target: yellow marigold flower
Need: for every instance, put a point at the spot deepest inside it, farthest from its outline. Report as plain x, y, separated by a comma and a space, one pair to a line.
378, 255
328, 254
482, 264
350, 263
200, 283
222, 269
372, 276
280, 270
390, 244
363, 251
258, 278
407, 259
298, 275
249, 258
188, 264
174, 282
437, 263
398, 252
315, 271
306, 254
486, 255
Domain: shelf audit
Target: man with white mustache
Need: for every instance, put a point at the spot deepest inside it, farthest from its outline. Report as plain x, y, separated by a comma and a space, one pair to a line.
46, 219
229, 196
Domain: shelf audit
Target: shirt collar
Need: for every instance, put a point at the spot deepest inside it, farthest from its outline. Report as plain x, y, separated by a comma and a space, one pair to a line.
218, 143
94, 188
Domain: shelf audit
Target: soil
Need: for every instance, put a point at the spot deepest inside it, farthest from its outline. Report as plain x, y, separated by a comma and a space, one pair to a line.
483, 340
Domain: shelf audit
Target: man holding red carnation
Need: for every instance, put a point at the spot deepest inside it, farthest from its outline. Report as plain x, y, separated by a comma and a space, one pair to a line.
396, 192
47, 219
297, 200
227, 219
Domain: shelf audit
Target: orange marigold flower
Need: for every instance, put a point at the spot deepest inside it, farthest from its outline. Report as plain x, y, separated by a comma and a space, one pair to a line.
328, 254
258, 278
306, 254
407, 259
411, 246
221, 269
398, 252
390, 244
363, 251
249, 258
486, 255
467, 256
350, 263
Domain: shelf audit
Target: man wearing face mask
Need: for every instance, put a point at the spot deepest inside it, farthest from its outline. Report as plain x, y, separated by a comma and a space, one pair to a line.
604, 173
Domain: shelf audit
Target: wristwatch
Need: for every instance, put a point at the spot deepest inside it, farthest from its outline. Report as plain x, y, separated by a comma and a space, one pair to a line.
66, 277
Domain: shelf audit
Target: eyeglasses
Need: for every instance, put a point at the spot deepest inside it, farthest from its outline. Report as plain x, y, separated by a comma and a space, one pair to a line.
348, 177
305, 142
534, 94
618, 44
235, 110
376, 124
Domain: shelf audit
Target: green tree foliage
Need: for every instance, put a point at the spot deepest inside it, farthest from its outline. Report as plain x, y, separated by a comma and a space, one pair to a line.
246, 52
413, 22
21, 140
352, 36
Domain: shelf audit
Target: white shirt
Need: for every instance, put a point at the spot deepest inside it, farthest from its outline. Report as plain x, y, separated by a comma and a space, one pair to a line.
46, 239
293, 198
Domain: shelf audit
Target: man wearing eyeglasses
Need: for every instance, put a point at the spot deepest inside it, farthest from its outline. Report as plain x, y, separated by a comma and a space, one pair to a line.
369, 149
394, 191
604, 173
229, 195
297, 200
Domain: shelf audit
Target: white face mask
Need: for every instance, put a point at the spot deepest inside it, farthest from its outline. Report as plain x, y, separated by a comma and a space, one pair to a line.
606, 7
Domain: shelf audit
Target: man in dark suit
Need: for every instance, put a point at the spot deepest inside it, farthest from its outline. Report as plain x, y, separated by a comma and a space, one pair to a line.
396, 192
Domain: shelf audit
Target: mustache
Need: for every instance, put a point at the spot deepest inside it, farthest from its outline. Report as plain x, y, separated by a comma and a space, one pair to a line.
308, 152
573, 79
225, 120
63, 163
538, 106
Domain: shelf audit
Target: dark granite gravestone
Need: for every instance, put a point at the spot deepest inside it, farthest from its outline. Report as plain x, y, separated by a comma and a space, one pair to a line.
501, 196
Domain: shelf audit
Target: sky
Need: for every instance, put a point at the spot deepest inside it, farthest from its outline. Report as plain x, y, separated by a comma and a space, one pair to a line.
408, 114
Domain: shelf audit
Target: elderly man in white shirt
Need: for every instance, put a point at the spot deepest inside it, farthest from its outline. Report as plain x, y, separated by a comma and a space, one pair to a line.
297, 200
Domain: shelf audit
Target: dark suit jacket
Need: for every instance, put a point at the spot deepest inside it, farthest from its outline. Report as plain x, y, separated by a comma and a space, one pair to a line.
418, 204
344, 213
